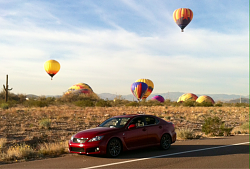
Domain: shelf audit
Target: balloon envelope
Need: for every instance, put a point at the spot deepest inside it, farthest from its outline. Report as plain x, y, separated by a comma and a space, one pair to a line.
187, 97
52, 67
205, 98
159, 98
80, 88
183, 17
150, 87
139, 89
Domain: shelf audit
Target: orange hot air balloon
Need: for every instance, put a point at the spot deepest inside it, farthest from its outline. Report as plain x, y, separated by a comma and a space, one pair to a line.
183, 17
52, 67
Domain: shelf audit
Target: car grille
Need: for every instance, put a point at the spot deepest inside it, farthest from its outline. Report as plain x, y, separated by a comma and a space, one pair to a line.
79, 140
77, 149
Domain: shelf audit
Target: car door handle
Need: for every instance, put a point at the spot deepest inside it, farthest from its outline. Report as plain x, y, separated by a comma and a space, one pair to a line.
144, 129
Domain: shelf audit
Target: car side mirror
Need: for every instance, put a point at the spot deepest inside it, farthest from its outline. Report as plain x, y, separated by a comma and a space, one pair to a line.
131, 126
98, 125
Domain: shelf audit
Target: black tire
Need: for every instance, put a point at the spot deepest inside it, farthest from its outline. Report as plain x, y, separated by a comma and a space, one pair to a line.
165, 141
114, 147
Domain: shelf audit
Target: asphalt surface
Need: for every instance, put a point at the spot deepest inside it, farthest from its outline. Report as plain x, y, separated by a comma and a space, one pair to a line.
224, 152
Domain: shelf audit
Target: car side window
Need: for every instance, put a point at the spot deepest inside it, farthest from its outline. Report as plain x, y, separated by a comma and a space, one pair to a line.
151, 120
139, 121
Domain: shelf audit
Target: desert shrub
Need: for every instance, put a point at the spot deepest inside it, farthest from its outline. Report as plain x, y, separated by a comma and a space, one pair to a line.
134, 104
36, 103
4, 106
84, 103
103, 103
188, 103
215, 126
243, 129
241, 104
218, 104
18, 152
204, 104
45, 123
53, 149
3, 142
185, 133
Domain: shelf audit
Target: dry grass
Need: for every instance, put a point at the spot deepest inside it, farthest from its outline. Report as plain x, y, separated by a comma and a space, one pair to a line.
3, 141
27, 127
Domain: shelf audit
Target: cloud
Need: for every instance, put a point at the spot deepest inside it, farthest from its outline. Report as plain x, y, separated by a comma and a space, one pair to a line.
111, 59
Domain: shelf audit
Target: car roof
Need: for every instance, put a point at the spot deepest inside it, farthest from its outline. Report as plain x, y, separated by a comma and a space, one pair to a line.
132, 115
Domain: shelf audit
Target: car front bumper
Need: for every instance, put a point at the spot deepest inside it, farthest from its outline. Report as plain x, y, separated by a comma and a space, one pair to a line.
96, 147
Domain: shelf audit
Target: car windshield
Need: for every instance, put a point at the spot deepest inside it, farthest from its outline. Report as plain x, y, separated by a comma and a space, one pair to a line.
115, 122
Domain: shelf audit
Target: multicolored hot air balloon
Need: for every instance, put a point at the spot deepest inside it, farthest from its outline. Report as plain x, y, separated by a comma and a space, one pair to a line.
139, 89
187, 97
80, 88
52, 67
150, 86
183, 17
205, 98
158, 98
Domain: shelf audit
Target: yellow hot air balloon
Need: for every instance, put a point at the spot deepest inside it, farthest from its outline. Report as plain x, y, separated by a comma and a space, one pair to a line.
205, 98
150, 87
52, 67
187, 97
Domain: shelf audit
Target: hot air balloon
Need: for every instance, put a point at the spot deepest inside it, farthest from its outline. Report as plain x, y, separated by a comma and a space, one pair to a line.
52, 67
187, 97
80, 88
182, 17
150, 86
139, 89
158, 98
205, 98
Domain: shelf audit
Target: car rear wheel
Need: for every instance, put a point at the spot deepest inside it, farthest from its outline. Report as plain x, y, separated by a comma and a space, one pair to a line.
114, 147
165, 141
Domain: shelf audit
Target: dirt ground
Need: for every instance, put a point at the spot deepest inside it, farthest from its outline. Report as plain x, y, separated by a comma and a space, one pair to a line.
58, 123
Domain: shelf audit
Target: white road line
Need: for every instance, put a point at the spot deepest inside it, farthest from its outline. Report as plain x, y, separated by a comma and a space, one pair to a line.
165, 155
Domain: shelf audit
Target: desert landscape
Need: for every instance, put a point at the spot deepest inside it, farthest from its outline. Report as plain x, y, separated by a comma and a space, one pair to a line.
39, 132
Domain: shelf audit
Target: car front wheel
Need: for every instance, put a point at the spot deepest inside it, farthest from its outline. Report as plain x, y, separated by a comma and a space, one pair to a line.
114, 147
165, 141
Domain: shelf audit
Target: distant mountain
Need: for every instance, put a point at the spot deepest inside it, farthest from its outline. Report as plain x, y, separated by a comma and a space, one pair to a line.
240, 100
173, 96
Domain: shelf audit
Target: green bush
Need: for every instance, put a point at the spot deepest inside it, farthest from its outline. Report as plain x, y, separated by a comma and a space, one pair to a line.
45, 123
84, 103
103, 103
132, 104
4, 106
189, 103
204, 104
215, 126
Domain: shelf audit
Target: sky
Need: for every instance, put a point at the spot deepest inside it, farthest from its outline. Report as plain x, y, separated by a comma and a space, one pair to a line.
110, 44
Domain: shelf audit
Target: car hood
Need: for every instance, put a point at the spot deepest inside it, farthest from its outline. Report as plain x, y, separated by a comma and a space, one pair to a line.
98, 131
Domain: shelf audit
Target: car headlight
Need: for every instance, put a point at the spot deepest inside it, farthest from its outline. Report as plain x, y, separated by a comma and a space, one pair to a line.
96, 138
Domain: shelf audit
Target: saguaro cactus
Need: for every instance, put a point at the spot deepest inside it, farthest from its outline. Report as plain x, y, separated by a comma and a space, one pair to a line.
6, 89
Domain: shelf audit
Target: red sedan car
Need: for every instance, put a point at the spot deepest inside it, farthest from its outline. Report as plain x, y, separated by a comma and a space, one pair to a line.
121, 133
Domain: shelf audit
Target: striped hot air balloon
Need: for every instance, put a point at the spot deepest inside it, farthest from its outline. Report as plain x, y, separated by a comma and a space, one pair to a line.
150, 86
183, 17
139, 89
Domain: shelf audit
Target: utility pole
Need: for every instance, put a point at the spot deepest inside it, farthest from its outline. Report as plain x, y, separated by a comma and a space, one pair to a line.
6, 89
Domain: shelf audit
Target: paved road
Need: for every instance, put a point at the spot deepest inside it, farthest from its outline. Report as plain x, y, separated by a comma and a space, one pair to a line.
226, 152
